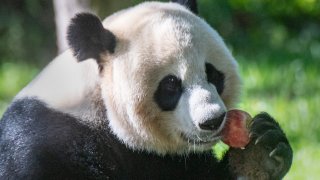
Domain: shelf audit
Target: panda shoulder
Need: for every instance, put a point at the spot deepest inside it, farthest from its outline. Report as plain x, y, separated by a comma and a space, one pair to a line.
64, 83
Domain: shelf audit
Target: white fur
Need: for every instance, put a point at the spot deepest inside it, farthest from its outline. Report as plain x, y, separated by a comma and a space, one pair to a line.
66, 85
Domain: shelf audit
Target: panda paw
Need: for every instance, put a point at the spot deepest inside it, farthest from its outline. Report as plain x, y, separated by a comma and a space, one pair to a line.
267, 156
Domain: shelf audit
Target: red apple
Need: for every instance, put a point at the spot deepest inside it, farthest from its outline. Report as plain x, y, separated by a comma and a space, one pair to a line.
236, 133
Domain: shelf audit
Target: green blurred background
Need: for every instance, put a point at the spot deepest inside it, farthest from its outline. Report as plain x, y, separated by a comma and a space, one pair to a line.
277, 45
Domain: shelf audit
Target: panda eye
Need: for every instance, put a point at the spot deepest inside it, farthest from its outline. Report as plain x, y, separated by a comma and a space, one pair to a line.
171, 84
168, 92
215, 77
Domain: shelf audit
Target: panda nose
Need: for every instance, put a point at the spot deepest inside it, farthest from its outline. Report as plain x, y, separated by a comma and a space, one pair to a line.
212, 124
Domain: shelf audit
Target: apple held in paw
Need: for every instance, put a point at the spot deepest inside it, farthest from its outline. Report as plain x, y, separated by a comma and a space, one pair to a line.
236, 132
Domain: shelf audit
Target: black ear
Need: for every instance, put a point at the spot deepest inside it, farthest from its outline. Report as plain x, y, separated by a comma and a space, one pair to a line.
87, 37
190, 4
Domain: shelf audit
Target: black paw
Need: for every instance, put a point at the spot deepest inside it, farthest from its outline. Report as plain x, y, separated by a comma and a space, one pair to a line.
267, 156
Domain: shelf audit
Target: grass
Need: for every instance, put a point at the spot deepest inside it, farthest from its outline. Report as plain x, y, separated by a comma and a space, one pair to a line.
282, 85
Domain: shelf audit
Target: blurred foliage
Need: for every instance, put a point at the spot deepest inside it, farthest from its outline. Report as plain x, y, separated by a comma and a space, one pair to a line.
277, 44
27, 31
251, 27
13, 77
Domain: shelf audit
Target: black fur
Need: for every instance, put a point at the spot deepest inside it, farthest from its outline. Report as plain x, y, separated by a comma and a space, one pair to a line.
215, 77
39, 143
190, 4
168, 93
87, 37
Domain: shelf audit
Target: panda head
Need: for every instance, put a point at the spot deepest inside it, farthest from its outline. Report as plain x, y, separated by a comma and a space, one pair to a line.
167, 78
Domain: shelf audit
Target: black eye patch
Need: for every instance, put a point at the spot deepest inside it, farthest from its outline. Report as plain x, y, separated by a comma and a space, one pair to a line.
168, 93
215, 77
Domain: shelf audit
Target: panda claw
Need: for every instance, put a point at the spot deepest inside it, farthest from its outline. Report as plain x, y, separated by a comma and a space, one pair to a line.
282, 150
272, 153
258, 140
270, 138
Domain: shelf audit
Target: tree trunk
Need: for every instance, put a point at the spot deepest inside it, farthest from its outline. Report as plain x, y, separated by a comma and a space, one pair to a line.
64, 10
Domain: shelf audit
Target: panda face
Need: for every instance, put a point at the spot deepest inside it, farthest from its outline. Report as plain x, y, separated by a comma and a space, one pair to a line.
170, 80
166, 77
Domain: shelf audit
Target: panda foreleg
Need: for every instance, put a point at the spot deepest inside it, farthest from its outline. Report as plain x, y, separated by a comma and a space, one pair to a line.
267, 156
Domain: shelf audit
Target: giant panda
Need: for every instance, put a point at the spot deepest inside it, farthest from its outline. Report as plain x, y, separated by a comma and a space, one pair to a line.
141, 95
